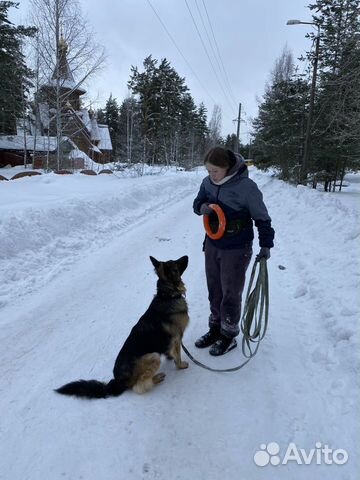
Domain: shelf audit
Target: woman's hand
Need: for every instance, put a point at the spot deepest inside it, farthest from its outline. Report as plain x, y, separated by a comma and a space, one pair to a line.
205, 209
264, 253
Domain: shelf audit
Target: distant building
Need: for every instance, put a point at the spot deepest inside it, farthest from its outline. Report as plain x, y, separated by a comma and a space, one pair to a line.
15, 149
81, 136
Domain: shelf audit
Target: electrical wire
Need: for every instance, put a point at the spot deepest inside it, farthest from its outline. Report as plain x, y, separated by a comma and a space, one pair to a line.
209, 58
214, 52
178, 49
218, 53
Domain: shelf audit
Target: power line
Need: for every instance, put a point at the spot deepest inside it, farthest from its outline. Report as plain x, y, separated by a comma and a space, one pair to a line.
218, 52
210, 41
178, 49
207, 54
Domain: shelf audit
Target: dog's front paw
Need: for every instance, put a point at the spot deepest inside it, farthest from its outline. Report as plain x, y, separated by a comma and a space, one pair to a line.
182, 365
158, 378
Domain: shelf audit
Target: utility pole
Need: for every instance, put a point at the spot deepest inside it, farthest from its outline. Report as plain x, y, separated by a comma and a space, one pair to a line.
238, 131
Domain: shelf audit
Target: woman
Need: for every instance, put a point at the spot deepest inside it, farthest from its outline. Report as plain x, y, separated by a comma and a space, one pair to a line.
227, 259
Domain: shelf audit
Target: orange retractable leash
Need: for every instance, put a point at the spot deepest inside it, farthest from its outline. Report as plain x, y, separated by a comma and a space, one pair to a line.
221, 219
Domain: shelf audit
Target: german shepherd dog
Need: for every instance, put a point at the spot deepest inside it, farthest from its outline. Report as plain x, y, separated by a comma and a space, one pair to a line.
159, 331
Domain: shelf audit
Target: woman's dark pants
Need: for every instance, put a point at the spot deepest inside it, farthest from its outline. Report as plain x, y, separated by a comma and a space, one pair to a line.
225, 274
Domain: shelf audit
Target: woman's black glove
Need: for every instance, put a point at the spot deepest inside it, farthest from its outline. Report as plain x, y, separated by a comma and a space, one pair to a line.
205, 209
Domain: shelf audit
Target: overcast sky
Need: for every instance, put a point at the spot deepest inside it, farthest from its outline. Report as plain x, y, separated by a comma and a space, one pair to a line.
250, 35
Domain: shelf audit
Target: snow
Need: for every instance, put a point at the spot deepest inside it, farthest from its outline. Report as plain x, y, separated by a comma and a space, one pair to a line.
95, 134
42, 143
17, 142
68, 83
77, 154
75, 276
105, 140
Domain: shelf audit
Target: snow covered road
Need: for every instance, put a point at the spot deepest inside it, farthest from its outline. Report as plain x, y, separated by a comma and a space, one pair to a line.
76, 276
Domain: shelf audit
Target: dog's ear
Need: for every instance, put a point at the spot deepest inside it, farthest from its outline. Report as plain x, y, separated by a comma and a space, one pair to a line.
155, 262
182, 263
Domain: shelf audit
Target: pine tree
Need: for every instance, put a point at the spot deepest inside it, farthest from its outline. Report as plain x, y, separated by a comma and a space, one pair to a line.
129, 133
201, 131
336, 126
143, 85
279, 126
15, 75
100, 115
231, 143
172, 128
111, 117
215, 124
186, 155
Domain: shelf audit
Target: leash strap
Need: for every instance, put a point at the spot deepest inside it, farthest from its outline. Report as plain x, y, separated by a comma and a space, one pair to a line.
252, 327
256, 307
213, 369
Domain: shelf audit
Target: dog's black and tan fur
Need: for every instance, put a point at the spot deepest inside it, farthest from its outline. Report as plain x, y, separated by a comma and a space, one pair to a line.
159, 331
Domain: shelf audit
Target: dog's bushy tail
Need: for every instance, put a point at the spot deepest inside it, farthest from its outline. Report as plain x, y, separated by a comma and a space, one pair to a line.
93, 388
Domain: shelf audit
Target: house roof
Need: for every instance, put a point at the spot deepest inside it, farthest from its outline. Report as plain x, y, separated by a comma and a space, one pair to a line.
85, 118
105, 140
67, 84
43, 143
95, 130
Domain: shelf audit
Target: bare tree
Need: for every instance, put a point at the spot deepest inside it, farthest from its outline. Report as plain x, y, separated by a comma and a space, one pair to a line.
215, 126
62, 28
284, 67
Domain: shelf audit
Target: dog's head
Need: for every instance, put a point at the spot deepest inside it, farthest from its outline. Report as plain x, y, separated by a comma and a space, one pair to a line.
171, 271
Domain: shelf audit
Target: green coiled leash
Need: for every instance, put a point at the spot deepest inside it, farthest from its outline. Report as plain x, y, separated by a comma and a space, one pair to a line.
254, 321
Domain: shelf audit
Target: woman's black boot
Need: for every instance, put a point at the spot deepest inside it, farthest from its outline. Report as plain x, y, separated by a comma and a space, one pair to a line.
208, 339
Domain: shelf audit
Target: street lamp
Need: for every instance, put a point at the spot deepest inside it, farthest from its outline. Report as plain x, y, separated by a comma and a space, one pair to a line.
303, 172
298, 22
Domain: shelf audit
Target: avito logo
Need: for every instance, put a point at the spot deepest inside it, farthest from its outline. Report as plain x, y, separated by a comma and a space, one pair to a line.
321, 454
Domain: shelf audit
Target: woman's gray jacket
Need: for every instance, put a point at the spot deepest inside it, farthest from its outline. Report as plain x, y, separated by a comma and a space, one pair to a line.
242, 203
